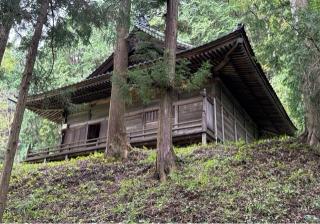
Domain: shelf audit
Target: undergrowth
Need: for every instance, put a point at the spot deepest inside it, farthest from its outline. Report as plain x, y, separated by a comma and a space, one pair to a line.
275, 180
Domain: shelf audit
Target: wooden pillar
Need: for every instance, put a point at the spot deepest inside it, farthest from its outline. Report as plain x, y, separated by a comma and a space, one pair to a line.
204, 118
222, 115
215, 119
86, 135
204, 138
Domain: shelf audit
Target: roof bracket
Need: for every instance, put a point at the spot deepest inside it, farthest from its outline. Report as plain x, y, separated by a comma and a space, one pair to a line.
226, 59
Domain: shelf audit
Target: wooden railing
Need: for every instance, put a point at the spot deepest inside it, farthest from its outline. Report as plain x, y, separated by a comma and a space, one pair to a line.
65, 148
182, 128
176, 129
144, 135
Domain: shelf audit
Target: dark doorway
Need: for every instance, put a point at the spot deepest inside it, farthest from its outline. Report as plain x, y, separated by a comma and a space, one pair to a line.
93, 131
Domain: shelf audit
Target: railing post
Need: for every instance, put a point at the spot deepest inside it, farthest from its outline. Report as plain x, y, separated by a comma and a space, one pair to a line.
204, 118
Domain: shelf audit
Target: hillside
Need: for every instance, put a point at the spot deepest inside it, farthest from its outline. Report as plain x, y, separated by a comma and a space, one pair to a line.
272, 180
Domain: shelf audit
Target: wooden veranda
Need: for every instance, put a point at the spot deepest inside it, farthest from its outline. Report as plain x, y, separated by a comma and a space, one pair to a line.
202, 128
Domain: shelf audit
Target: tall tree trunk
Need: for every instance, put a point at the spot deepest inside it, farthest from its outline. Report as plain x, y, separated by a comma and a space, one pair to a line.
4, 36
311, 96
166, 159
310, 86
20, 107
117, 143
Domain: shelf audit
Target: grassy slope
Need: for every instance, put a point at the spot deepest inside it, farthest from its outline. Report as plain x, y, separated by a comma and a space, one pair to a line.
274, 180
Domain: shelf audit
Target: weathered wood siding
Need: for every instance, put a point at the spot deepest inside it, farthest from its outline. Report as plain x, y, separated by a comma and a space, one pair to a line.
233, 123
75, 134
78, 117
99, 111
191, 110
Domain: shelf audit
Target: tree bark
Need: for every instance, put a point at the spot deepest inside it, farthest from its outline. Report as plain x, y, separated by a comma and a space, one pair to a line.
117, 143
312, 127
20, 107
310, 87
166, 159
4, 36
311, 96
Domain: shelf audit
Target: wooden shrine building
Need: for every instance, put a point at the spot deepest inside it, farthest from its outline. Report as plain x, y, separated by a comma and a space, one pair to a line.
237, 103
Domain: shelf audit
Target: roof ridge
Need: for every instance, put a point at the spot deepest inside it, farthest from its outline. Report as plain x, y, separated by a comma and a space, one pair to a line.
159, 35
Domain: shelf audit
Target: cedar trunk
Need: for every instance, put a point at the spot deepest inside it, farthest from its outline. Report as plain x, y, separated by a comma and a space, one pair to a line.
117, 143
311, 135
311, 93
20, 107
310, 89
166, 159
4, 35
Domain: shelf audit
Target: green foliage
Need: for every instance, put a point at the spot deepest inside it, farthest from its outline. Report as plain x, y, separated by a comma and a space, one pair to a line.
150, 80
37, 133
203, 21
71, 64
